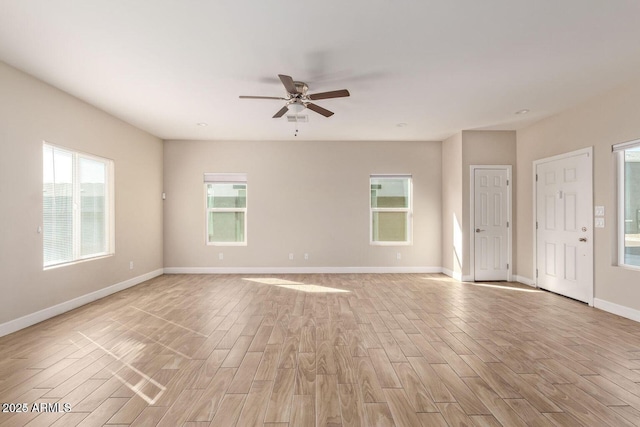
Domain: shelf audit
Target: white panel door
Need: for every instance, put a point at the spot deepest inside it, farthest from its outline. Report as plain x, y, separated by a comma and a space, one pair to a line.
491, 212
564, 243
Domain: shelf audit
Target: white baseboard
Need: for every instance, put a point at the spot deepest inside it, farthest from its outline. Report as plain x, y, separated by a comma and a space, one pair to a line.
298, 270
620, 310
524, 280
47, 313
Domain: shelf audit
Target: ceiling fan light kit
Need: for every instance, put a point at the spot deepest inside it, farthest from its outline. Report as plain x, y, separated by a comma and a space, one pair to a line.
298, 99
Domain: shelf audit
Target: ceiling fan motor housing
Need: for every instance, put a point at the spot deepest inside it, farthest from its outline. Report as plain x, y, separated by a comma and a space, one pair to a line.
301, 87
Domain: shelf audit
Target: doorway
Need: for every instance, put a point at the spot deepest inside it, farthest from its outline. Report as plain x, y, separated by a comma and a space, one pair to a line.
491, 222
563, 224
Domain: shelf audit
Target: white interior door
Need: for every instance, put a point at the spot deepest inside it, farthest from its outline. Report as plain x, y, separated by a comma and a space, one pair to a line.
564, 236
491, 222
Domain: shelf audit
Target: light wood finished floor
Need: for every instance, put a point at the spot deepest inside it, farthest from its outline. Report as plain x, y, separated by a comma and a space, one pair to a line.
393, 349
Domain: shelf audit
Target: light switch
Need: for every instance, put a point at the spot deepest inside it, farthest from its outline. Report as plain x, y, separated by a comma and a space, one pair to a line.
599, 211
599, 223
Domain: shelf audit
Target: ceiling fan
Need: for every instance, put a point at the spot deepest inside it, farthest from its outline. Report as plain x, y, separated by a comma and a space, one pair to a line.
297, 97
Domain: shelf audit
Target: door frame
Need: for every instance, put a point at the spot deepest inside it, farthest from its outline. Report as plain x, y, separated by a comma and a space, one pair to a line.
472, 217
589, 152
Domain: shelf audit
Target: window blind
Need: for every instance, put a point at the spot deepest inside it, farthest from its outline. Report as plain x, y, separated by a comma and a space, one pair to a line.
57, 205
225, 177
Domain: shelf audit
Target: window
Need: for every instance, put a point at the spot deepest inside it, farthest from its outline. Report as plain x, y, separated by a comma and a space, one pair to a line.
226, 200
628, 203
77, 206
391, 209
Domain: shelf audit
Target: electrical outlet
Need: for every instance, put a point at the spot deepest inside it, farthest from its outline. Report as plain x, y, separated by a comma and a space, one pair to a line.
599, 211
220, 256
398, 255
291, 256
130, 265
306, 256
599, 223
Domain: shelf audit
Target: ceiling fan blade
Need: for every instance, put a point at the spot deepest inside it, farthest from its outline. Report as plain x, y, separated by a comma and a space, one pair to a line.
261, 97
281, 112
319, 109
287, 81
332, 94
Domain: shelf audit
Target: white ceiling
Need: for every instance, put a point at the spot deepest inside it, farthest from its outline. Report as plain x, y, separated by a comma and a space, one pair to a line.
439, 66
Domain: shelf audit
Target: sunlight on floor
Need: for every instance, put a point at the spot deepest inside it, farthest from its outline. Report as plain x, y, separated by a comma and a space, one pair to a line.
483, 285
169, 321
179, 353
296, 286
442, 279
507, 288
138, 387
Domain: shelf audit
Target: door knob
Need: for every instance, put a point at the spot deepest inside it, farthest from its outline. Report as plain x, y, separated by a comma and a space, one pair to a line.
583, 239
478, 230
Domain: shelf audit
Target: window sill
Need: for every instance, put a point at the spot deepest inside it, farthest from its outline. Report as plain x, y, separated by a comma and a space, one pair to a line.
630, 267
391, 243
78, 261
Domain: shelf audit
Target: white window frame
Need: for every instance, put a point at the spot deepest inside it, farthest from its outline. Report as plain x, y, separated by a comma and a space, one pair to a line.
225, 178
618, 150
109, 223
408, 210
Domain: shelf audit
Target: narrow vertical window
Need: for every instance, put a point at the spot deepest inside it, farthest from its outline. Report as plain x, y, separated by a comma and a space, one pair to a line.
628, 159
391, 209
77, 206
226, 209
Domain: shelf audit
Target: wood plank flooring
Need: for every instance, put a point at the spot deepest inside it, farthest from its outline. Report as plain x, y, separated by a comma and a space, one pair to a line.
325, 350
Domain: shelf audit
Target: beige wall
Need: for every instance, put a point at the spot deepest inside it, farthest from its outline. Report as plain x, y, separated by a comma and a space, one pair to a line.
603, 121
30, 112
302, 197
484, 148
459, 152
452, 233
